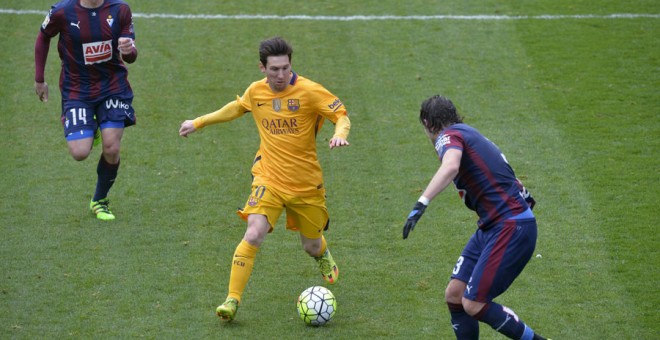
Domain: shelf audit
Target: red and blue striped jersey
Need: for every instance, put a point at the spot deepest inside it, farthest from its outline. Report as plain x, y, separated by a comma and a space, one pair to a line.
485, 181
92, 67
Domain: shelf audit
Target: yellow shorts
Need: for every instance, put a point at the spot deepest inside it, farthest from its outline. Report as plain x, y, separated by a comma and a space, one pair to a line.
308, 214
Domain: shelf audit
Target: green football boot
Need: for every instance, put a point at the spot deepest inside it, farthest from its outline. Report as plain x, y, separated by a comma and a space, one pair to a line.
97, 137
101, 210
328, 267
227, 310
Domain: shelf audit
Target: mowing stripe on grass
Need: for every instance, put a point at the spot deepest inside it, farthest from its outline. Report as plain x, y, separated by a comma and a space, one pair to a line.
364, 17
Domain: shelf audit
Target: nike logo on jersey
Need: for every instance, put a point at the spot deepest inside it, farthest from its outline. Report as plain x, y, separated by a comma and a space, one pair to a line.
76, 24
260, 104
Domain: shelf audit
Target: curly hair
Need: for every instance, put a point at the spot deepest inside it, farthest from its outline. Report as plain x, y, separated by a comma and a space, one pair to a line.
438, 112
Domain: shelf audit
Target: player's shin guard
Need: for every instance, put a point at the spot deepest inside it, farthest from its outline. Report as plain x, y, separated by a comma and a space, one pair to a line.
241, 268
505, 321
107, 173
465, 326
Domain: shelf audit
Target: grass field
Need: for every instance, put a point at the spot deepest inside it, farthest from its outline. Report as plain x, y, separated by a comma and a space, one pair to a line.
572, 101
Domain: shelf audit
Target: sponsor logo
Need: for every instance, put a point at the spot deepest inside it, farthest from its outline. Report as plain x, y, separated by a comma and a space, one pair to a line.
280, 126
442, 141
511, 313
277, 104
116, 103
46, 19
293, 104
261, 104
335, 105
76, 24
97, 52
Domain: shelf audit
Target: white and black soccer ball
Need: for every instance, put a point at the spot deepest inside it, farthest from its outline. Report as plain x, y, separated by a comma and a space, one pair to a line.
316, 305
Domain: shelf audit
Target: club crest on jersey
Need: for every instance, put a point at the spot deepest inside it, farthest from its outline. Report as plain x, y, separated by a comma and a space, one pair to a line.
97, 52
293, 105
110, 20
277, 104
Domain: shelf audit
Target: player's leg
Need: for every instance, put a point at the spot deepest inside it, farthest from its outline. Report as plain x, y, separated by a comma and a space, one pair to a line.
508, 249
262, 210
79, 126
113, 115
107, 169
309, 216
465, 326
242, 264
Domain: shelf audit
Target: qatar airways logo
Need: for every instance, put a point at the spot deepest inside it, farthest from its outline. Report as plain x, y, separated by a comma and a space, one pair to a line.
97, 52
281, 126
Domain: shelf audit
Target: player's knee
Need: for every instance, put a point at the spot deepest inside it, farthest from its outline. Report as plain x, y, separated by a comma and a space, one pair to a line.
79, 154
111, 153
453, 294
256, 231
472, 307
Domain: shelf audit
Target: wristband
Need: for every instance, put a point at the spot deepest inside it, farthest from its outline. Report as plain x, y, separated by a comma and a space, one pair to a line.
423, 200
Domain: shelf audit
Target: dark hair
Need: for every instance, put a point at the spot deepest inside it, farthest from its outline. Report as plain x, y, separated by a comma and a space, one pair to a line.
437, 113
274, 47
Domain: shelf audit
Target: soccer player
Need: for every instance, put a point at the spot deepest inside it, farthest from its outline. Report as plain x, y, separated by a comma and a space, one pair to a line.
288, 110
95, 39
506, 236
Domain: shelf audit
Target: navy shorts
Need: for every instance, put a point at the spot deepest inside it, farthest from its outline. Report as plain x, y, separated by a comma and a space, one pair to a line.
80, 119
493, 258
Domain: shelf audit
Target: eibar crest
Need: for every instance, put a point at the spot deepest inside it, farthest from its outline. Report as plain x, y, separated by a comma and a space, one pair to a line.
277, 104
293, 104
110, 20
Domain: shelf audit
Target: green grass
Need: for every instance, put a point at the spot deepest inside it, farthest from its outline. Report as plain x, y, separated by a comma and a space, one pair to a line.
572, 102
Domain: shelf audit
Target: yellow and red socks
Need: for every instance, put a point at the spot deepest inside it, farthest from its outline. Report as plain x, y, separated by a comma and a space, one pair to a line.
324, 246
241, 269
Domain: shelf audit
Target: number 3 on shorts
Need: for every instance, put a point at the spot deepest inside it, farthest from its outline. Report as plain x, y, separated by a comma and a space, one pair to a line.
457, 267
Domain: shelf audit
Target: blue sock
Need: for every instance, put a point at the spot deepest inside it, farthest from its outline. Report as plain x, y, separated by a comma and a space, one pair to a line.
106, 178
505, 321
465, 326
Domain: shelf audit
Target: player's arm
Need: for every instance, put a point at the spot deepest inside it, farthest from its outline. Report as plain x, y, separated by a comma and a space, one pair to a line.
126, 47
126, 42
228, 112
342, 128
451, 162
41, 47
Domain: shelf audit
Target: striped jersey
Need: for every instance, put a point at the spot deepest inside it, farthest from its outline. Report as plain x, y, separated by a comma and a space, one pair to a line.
92, 67
485, 180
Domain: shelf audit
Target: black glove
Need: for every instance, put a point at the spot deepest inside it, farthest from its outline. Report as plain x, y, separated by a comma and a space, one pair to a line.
413, 217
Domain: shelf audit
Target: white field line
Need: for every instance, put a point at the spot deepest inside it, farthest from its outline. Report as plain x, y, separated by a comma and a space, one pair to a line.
362, 17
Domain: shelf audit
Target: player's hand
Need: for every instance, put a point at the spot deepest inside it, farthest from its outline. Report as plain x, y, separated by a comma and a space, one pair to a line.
336, 142
187, 127
413, 217
41, 89
125, 45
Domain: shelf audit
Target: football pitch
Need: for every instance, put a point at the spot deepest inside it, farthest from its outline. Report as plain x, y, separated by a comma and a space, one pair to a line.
569, 90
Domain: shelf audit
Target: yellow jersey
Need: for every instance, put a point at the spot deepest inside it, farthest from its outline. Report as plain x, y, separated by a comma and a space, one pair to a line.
288, 122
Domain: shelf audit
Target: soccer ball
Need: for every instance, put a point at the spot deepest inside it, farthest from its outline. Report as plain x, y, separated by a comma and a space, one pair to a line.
316, 305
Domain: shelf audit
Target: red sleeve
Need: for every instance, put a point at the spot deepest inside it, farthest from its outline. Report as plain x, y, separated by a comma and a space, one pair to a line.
41, 47
128, 32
